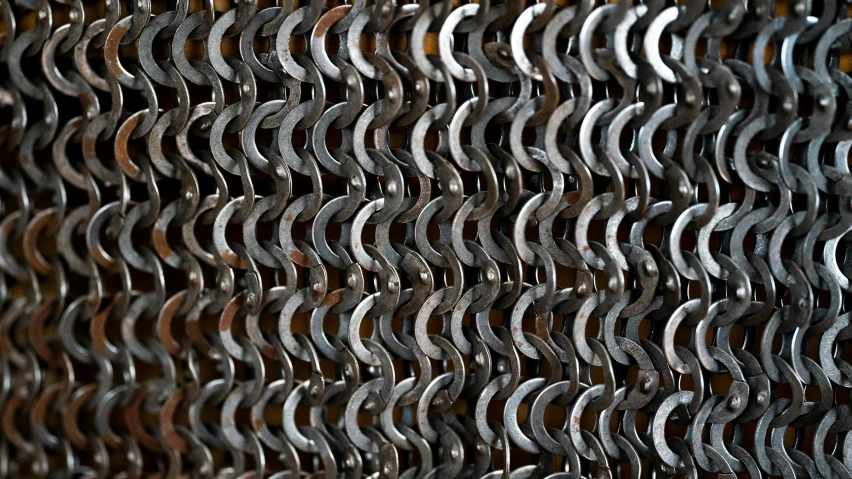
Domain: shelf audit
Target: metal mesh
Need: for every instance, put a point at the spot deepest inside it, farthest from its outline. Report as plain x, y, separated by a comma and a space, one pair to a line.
425, 240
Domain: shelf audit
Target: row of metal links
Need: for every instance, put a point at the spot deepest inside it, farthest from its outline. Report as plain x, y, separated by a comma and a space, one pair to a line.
563, 239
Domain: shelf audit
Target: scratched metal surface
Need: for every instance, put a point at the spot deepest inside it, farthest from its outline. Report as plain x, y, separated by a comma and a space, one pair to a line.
414, 240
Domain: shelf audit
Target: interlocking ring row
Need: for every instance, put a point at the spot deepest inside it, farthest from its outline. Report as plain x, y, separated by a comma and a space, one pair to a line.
414, 240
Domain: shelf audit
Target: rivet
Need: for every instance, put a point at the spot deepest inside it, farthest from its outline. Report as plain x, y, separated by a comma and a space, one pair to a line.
352, 281
613, 284
392, 189
734, 402
651, 88
732, 15
733, 88
670, 284
650, 268
317, 287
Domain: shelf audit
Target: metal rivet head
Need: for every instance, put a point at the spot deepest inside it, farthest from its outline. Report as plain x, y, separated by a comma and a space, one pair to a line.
392, 188
317, 286
352, 281
670, 284
491, 276
734, 87
732, 16
734, 402
741, 293
650, 268
612, 284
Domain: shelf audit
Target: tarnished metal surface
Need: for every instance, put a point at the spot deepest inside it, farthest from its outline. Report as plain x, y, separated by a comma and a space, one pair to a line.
413, 240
